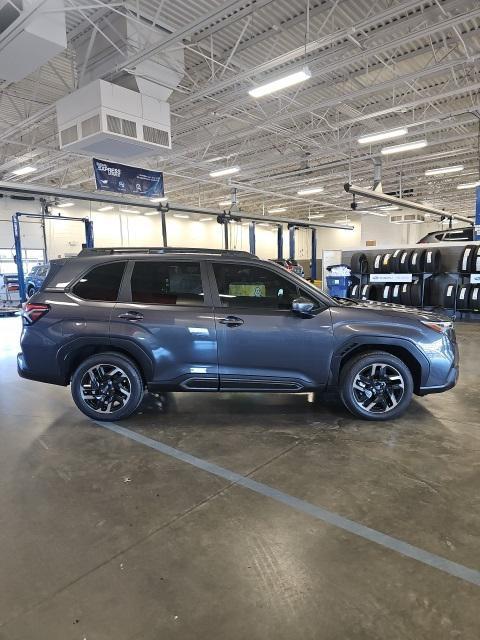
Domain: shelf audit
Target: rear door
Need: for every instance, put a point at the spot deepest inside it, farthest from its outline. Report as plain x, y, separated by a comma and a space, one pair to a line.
165, 312
262, 344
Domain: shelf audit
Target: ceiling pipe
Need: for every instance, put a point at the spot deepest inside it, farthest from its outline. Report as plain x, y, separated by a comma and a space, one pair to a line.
37, 190
401, 202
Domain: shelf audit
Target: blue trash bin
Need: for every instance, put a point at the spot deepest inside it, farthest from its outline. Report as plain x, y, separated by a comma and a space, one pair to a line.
338, 285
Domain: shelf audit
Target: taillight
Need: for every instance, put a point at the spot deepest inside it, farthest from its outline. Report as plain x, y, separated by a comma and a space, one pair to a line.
33, 312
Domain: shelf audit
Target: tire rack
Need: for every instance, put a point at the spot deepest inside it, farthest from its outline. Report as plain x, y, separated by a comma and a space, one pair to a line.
364, 278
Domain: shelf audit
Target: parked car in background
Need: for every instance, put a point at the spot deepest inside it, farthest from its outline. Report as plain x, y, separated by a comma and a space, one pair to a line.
291, 265
111, 323
464, 234
35, 278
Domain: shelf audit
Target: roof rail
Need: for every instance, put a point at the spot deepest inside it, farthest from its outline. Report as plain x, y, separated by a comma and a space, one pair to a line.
106, 251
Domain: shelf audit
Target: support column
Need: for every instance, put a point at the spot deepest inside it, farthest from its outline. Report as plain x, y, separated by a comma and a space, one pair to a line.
164, 229
251, 236
88, 233
476, 233
18, 257
280, 242
292, 243
225, 233
314, 255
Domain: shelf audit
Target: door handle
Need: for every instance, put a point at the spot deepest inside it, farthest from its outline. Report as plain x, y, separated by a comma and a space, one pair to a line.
131, 315
231, 321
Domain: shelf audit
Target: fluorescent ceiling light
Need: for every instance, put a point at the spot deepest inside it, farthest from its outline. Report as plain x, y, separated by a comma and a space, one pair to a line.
318, 215
441, 170
224, 172
262, 224
218, 158
383, 135
129, 210
65, 204
24, 170
306, 192
281, 83
342, 221
277, 210
468, 185
205, 219
225, 203
180, 215
107, 208
389, 207
407, 146
375, 213
151, 213
156, 200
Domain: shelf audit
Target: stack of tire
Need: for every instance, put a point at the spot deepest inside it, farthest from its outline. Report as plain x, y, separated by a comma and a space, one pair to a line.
465, 296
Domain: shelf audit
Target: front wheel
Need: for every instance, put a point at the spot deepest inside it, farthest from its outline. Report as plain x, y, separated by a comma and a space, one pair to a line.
376, 386
107, 386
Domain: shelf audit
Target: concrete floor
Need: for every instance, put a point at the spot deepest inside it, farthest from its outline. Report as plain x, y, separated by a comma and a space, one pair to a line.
103, 538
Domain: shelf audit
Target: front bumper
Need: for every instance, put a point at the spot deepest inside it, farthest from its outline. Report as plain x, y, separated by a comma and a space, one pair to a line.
450, 382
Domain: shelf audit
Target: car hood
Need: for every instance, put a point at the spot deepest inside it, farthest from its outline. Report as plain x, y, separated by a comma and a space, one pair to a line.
393, 309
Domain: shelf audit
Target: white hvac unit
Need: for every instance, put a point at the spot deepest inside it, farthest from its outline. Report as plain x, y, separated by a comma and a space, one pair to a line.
106, 120
31, 33
408, 218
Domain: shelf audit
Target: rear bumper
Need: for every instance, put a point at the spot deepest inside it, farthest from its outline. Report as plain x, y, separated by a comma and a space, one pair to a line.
25, 372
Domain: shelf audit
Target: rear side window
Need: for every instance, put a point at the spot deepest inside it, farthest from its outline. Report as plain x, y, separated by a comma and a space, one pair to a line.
101, 283
176, 283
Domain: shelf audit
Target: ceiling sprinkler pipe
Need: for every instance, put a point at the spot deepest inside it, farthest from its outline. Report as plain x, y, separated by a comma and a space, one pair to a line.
401, 202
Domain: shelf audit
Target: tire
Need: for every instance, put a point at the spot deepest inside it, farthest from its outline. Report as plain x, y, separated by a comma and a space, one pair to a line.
365, 292
466, 261
463, 297
416, 294
417, 261
386, 295
475, 264
396, 294
449, 296
433, 261
395, 260
405, 296
404, 262
130, 383
359, 263
353, 291
386, 263
375, 292
474, 299
377, 263
373, 373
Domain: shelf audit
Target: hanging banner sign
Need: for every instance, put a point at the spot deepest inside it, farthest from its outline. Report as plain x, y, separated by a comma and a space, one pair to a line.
110, 176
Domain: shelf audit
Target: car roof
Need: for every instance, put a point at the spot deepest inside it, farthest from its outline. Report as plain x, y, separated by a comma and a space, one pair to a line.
148, 253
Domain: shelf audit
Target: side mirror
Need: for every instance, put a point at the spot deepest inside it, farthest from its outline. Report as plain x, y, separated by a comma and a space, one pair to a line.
303, 307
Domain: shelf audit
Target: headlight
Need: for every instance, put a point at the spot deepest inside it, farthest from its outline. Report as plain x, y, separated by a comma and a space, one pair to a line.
439, 327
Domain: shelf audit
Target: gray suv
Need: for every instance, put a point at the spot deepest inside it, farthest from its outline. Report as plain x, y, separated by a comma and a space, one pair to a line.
114, 322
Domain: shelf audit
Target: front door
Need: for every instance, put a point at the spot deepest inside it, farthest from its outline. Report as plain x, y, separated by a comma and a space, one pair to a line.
166, 313
262, 344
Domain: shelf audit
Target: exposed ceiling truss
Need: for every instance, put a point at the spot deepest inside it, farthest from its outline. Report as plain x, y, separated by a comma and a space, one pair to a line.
375, 65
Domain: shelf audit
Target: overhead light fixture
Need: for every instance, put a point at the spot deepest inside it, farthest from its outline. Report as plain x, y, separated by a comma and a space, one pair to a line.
317, 215
224, 172
389, 207
277, 210
157, 200
383, 135
65, 204
24, 170
407, 146
468, 185
107, 208
151, 213
218, 158
281, 83
129, 210
205, 219
306, 192
225, 203
375, 213
442, 170
342, 221
262, 224
180, 215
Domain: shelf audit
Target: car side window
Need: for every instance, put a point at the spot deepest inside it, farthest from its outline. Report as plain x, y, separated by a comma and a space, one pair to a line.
241, 285
101, 283
164, 282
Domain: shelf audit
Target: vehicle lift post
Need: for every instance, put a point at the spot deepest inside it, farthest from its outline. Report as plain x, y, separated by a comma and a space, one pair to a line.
280, 242
292, 229
18, 241
313, 273
251, 236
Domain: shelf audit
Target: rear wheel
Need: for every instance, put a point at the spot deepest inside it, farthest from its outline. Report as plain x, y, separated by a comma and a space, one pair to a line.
376, 386
107, 386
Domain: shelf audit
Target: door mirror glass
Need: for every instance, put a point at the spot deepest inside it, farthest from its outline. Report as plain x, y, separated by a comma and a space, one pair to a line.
303, 307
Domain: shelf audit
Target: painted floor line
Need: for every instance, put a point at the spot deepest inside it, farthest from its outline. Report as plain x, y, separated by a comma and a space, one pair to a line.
330, 517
